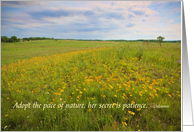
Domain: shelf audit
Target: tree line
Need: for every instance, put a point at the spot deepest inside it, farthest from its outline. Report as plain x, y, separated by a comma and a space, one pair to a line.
36, 38
139, 40
12, 39
15, 39
158, 40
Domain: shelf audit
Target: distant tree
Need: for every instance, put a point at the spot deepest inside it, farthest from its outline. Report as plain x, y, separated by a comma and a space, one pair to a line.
13, 39
24, 39
18, 40
10, 40
4, 39
160, 39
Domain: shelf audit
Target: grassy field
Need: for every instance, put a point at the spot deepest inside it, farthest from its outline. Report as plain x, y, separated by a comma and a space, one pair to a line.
83, 85
11, 52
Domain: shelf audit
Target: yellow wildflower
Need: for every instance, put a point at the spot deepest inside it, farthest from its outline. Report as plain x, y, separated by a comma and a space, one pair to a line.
139, 109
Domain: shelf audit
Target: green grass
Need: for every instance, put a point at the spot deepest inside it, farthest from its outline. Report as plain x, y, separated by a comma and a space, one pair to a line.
11, 52
112, 76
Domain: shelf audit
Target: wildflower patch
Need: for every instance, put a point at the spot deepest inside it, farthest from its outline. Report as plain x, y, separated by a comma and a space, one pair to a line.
107, 85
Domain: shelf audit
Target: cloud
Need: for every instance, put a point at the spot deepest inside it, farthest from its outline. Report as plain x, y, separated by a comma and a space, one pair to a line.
138, 12
49, 13
170, 21
66, 12
103, 19
166, 2
137, 4
119, 9
78, 23
130, 25
89, 13
113, 15
18, 4
143, 11
130, 16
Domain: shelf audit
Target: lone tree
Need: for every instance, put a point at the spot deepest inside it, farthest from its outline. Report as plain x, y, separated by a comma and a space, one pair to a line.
160, 39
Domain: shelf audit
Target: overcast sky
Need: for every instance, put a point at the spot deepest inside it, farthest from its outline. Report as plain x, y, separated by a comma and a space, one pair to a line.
128, 20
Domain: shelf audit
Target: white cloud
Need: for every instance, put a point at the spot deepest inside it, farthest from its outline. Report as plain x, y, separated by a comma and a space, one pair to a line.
65, 20
170, 21
22, 3
132, 3
124, 19
146, 11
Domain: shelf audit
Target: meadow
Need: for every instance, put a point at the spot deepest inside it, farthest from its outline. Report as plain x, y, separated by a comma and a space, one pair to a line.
12, 52
90, 85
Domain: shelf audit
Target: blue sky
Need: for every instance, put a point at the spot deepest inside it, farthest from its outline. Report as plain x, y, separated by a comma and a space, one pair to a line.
128, 20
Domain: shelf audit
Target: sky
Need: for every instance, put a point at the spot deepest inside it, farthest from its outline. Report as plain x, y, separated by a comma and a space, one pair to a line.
105, 20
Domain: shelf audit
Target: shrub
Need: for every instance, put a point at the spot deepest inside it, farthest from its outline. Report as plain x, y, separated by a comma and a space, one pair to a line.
139, 52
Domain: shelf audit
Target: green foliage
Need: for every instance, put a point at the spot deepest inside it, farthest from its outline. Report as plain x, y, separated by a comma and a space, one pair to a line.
160, 39
12, 39
139, 52
4, 39
37, 38
15, 39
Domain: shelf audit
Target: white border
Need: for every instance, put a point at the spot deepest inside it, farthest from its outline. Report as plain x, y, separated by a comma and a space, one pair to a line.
181, 68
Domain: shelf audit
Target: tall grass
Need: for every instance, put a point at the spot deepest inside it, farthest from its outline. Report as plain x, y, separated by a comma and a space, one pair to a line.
108, 77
